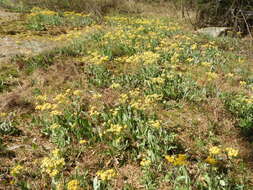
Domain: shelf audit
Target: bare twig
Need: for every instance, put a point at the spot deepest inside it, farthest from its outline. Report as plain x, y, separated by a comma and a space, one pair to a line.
248, 28
189, 19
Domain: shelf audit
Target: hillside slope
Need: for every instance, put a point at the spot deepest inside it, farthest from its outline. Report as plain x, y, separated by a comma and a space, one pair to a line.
129, 102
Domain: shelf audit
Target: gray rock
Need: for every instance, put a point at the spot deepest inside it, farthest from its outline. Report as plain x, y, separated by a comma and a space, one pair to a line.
214, 31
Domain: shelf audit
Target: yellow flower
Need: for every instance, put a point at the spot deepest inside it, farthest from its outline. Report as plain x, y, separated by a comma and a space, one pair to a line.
46, 106
55, 106
42, 98
96, 96
145, 163
38, 107
55, 126
214, 150
156, 124
68, 91
211, 160
73, 185
175, 58
77, 92
123, 98
61, 99
206, 64
114, 111
106, 175
230, 75
170, 159
55, 112
54, 172
158, 80
189, 59
59, 187
83, 141
178, 160
231, 152
93, 111
115, 85
3, 114
56, 152
243, 83
12, 182
116, 128
17, 170
54, 164
194, 46
211, 76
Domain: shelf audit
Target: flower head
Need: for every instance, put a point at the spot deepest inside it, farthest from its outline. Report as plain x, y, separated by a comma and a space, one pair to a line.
145, 163
17, 170
214, 150
231, 152
178, 160
211, 160
83, 141
73, 185
107, 174
77, 92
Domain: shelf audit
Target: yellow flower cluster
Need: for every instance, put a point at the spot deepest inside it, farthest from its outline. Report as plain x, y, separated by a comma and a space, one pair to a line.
211, 160
215, 151
93, 111
42, 98
83, 141
231, 152
72, 13
147, 57
116, 128
97, 59
3, 114
230, 75
123, 98
16, 171
249, 100
206, 64
155, 123
158, 80
175, 58
211, 76
147, 103
194, 46
54, 164
179, 160
145, 163
115, 85
38, 11
73, 185
78, 92
59, 101
243, 83
55, 126
96, 96
107, 175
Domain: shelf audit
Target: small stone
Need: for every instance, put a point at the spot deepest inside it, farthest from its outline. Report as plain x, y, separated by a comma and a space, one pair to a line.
214, 31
